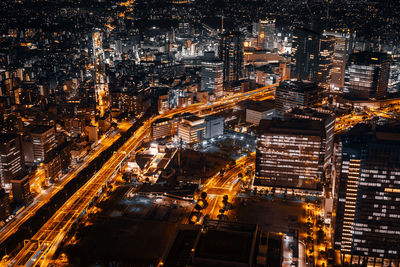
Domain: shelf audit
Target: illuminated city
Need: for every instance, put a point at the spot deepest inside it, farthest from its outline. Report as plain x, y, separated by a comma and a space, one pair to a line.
200, 133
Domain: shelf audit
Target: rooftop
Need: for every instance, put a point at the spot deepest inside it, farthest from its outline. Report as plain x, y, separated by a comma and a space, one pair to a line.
299, 85
261, 106
367, 58
5, 138
39, 129
293, 126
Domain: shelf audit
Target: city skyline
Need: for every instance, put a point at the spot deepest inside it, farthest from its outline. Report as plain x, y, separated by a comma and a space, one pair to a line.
199, 133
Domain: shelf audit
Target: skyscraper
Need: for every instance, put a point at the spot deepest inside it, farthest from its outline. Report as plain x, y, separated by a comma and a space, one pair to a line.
212, 77
230, 52
43, 141
325, 61
367, 75
368, 205
265, 32
343, 46
11, 161
295, 93
305, 53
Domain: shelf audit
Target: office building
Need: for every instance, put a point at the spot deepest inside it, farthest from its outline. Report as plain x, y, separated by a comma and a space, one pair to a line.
325, 61
368, 203
296, 93
212, 77
43, 140
214, 126
265, 32
343, 47
21, 189
161, 128
11, 158
367, 76
305, 53
260, 110
292, 154
192, 129
230, 52
328, 119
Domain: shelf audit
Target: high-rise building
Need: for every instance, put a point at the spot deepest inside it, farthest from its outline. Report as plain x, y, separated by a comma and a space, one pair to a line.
295, 93
305, 53
367, 227
325, 62
230, 52
293, 153
265, 32
367, 75
328, 119
212, 77
11, 159
43, 141
343, 46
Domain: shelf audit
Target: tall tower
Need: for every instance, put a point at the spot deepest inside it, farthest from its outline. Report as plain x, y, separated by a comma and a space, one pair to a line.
100, 81
305, 53
266, 34
367, 226
231, 53
367, 75
212, 77
325, 62
343, 47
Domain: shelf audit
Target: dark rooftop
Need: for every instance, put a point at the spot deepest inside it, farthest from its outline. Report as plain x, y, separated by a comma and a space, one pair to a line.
292, 126
39, 129
261, 106
367, 58
299, 85
235, 247
5, 138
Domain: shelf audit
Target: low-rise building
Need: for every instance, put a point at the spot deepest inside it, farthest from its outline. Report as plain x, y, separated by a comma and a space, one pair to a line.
257, 111
161, 128
192, 129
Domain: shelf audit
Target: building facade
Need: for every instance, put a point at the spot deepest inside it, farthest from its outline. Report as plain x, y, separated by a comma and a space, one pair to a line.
11, 157
212, 77
291, 154
343, 47
368, 205
214, 126
230, 52
296, 93
43, 140
367, 76
161, 128
192, 129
